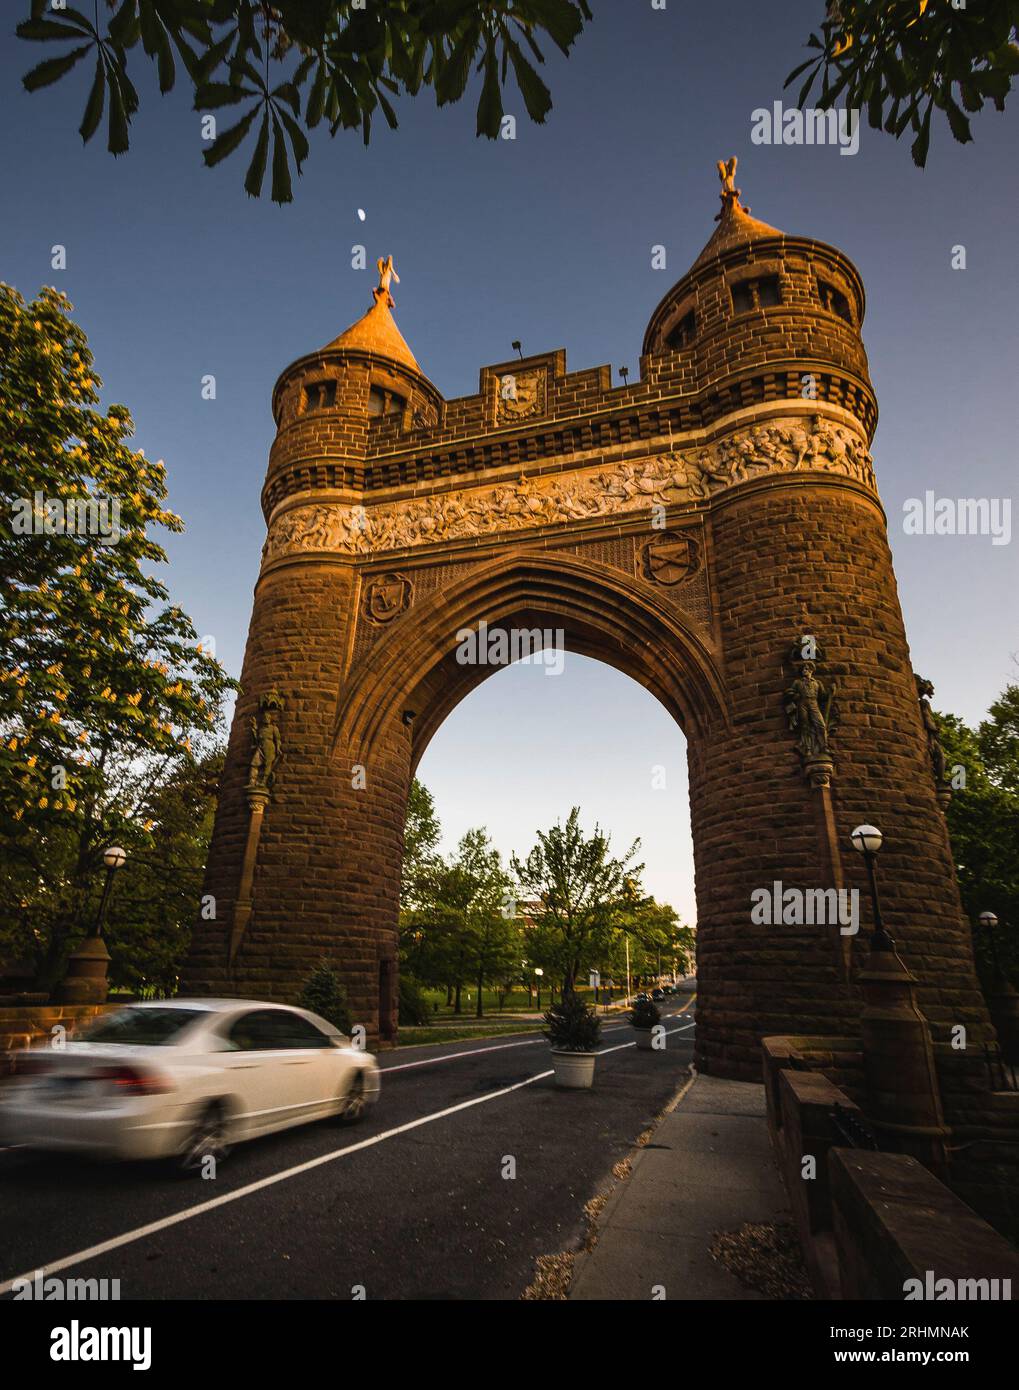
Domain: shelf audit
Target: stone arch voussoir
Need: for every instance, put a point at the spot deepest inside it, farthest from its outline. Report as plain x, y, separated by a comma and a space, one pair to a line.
604, 613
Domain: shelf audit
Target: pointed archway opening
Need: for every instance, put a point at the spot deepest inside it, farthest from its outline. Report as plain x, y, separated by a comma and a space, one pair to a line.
542, 735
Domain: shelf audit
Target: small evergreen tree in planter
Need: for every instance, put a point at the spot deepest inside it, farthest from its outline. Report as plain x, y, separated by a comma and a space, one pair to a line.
644, 1014
323, 994
574, 1030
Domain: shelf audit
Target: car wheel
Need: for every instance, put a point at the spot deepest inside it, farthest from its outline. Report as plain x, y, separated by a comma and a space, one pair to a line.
353, 1104
207, 1139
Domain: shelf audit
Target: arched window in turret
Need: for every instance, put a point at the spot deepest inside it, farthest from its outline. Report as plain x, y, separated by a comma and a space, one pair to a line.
834, 300
320, 395
760, 293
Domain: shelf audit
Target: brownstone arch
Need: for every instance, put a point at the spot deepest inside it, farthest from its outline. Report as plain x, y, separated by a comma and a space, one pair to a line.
413, 672
687, 528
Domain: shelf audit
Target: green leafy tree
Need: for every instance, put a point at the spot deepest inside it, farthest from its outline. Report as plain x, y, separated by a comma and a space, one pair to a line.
294, 65
158, 898
421, 836
983, 822
105, 692
414, 1010
459, 932
900, 61
657, 940
579, 887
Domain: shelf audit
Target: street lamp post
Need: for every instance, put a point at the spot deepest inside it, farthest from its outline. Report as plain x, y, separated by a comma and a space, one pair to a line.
85, 981
867, 840
989, 920
538, 972
114, 858
904, 1098
1002, 998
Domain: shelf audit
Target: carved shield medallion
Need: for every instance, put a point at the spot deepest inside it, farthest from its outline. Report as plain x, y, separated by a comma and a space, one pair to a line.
386, 597
670, 558
520, 396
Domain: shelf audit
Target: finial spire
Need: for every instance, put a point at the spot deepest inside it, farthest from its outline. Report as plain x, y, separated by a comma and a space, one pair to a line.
387, 274
730, 193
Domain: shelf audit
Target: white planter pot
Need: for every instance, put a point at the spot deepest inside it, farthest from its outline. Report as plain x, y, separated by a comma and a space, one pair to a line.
644, 1038
574, 1070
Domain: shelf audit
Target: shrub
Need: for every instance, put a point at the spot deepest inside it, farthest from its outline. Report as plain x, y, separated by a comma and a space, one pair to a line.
414, 1007
571, 1026
644, 1013
324, 995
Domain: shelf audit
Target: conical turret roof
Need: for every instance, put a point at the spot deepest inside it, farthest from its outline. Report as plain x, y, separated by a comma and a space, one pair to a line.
735, 225
376, 331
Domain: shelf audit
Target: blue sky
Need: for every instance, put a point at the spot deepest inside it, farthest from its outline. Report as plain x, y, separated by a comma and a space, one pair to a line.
175, 273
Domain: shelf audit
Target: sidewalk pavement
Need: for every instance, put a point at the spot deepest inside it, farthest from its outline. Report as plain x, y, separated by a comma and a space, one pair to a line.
707, 1168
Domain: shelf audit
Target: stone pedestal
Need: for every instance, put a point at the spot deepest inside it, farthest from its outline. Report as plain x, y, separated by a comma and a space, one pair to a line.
904, 1099
85, 981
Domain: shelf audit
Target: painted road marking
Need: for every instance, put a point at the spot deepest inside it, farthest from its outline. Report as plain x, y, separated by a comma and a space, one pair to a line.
500, 1047
154, 1227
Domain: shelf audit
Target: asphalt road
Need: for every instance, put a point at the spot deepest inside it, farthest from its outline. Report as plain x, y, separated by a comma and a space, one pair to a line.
412, 1203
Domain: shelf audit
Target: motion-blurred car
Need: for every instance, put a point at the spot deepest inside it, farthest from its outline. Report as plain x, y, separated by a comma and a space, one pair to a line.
185, 1079
657, 994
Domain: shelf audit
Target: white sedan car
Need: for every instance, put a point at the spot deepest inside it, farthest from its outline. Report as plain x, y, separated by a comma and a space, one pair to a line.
184, 1079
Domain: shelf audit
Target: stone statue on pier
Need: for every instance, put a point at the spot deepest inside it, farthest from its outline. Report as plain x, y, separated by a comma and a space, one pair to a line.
268, 743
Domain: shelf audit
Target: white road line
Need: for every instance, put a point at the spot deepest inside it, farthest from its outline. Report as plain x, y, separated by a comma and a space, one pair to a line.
140, 1232
128, 1238
500, 1047
453, 1056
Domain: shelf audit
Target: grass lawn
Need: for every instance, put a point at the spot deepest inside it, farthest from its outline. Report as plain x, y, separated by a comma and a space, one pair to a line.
459, 1032
515, 1002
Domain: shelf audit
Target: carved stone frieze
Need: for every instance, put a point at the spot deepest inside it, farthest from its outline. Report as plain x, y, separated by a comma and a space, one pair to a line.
780, 446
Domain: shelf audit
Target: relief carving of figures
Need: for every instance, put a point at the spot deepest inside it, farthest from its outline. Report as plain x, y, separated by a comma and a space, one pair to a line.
684, 475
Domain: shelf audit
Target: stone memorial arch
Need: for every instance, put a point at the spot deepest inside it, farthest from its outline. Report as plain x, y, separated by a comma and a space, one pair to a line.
713, 529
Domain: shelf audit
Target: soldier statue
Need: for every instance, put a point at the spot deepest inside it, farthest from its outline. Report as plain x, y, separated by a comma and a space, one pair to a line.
808, 709
266, 737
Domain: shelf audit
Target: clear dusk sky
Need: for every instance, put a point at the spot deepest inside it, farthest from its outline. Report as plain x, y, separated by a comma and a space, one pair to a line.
175, 273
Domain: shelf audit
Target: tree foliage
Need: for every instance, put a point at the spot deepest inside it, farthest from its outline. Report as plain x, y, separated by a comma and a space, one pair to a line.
294, 65
152, 912
983, 822
901, 60
462, 928
579, 888
323, 993
571, 1025
421, 835
106, 695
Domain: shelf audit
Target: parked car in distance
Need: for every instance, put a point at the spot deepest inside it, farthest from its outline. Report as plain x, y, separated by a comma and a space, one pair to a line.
185, 1079
658, 994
